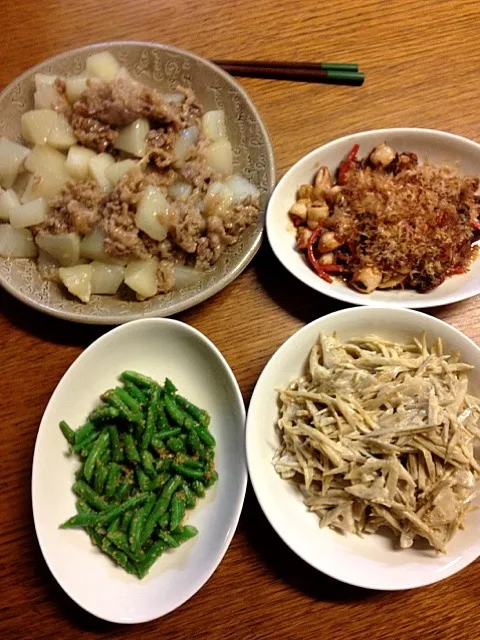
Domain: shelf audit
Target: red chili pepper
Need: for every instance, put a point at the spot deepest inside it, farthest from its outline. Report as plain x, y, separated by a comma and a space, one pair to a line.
440, 219
319, 269
297, 220
475, 224
334, 268
455, 271
346, 164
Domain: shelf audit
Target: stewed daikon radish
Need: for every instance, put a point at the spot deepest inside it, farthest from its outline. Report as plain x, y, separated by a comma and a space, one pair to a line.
48, 166
186, 276
241, 188
153, 213
64, 247
185, 140
78, 280
116, 171
12, 157
103, 65
106, 278
47, 266
97, 166
61, 136
37, 125
180, 190
16, 243
174, 98
141, 277
75, 86
8, 200
219, 156
214, 126
78, 160
133, 138
218, 199
29, 214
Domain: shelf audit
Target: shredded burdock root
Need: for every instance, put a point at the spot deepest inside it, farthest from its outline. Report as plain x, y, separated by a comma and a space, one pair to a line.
381, 434
388, 222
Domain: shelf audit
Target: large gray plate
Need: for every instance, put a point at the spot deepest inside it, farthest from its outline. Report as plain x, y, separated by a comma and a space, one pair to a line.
164, 67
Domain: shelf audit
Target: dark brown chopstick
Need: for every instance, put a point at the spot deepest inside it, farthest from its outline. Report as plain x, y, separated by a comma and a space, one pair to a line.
330, 73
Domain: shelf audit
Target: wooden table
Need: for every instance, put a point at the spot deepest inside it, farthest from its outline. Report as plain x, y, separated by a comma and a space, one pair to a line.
421, 60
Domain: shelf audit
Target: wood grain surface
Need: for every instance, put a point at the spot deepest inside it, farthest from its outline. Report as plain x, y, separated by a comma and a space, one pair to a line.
422, 63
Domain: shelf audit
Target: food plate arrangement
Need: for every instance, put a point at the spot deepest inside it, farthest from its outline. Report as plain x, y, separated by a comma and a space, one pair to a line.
51, 109
437, 148
372, 560
157, 348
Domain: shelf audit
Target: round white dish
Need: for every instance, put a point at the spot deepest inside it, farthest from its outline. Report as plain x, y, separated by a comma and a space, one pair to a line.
159, 348
372, 561
437, 147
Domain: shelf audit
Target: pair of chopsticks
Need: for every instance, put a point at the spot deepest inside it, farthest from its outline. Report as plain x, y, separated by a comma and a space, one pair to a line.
326, 72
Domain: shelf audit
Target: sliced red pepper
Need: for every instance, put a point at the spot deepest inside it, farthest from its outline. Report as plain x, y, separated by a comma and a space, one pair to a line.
319, 270
475, 224
455, 271
297, 220
334, 268
347, 163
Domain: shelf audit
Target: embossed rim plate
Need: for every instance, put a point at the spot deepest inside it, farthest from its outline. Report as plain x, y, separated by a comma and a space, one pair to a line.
371, 562
437, 147
253, 156
157, 347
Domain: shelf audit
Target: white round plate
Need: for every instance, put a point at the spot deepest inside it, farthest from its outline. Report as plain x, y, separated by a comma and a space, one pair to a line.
436, 147
371, 562
158, 348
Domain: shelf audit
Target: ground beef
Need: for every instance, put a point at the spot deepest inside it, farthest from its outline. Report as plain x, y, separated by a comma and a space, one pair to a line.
122, 100
189, 226
77, 208
160, 144
190, 110
165, 276
62, 104
92, 133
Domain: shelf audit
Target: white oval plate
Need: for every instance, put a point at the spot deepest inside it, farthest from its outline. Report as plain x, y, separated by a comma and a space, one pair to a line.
435, 146
158, 348
372, 561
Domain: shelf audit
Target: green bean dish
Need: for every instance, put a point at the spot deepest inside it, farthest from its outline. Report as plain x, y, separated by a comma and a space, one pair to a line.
147, 456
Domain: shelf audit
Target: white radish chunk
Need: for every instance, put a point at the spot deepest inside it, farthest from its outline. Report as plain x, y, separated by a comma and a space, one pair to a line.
180, 190
78, 280
12, 156
36, 125
75, 86
29, 214
61, 136
47, 266
46, 96
141, 277
186, 276
8, 200
102, 65
97, 166
77, 163
219, 157
218, 200
106, 278
213, 125
241, 188
92, 248
44, 80
44, 158
64, 247
152, 214
16, 243
133, 138
174, 98
186, 139
116, 171
43, 186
